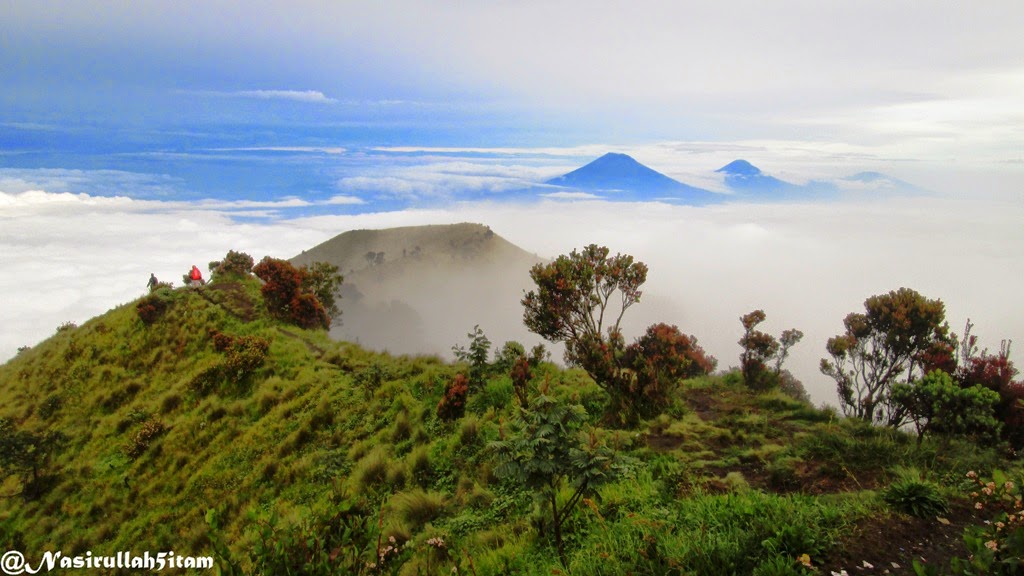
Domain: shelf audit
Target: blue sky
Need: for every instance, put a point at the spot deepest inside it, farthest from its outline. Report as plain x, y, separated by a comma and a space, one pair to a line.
148, 136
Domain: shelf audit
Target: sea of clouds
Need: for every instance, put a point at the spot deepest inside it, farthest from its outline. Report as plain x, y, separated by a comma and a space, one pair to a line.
69, 257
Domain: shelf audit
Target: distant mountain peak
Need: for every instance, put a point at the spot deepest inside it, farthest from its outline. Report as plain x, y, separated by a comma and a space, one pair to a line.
740, 167
622, 175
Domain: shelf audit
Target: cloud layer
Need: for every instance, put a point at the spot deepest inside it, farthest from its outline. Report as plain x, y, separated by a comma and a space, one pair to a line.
70, 257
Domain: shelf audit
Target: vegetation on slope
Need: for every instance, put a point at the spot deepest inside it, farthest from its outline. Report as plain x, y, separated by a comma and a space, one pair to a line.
215, 428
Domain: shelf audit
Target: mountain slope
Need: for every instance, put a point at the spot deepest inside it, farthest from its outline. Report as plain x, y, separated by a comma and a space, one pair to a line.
324, 455
420, 289
621, 177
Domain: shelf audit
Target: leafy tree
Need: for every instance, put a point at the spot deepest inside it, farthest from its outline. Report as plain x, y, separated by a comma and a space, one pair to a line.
995, 372
879, 346
937, 404
761, 350
787, 340
574, 300
26, 453
658, 360
286, 296
323, 281
513, 360
233, 264
548, 449
476, 356
758, 349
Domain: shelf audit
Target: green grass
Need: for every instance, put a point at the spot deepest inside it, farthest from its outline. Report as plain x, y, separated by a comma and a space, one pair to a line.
726, 481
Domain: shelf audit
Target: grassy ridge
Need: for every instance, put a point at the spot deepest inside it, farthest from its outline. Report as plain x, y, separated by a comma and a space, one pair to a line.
324, 437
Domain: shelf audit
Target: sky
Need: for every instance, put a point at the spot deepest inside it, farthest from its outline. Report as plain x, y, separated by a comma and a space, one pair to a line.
147, 136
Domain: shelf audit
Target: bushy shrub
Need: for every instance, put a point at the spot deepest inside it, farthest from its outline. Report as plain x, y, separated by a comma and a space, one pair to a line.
246, 355
234, 263
286, 297
243, 355
453, 404
142, 439
150, 308
659, 360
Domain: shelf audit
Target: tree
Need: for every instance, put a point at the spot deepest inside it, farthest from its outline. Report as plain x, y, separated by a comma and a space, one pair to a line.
787, 340
758, 349
761, 349
574, 300
323, 281
937, 404
879, 346
658, 360
26, 453
476, 356
233, 264
286, 296
995, 372
547, 449
513, 360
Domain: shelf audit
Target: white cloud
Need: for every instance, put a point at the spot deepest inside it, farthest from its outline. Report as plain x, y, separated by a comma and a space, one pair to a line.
447, 179
300, 149
571, 196
344, 200
70, 257
308, 96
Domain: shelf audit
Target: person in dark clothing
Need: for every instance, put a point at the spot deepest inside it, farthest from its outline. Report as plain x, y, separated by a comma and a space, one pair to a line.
152, 282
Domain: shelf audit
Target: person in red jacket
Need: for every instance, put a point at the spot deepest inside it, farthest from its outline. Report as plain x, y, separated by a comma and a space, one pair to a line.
196, 276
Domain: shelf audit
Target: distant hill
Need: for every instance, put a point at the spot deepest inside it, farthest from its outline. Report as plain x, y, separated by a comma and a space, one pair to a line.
621, 177
420, 289
876, 181
743, 176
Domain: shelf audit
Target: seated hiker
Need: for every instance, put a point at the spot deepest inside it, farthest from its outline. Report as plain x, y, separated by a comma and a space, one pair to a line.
196, 276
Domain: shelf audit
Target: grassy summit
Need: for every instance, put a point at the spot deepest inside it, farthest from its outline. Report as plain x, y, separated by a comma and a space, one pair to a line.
214, 429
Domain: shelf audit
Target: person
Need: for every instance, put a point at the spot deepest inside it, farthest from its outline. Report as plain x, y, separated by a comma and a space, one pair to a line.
196, 276
152, 282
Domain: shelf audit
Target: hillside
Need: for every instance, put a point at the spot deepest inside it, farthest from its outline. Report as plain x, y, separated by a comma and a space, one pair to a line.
420, 289
214, 430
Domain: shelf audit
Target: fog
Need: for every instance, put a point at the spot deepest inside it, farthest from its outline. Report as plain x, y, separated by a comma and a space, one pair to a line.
806, 266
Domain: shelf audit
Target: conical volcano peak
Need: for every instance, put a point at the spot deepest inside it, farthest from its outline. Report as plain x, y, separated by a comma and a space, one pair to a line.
740, 168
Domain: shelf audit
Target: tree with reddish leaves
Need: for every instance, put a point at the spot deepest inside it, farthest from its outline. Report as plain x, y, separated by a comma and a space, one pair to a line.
761, 349
758, 349
574, 301
286, 298
658, 360
888, 341
995, 372
580, 300
453, 404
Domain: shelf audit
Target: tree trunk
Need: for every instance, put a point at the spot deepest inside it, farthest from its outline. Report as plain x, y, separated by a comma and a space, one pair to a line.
558, 528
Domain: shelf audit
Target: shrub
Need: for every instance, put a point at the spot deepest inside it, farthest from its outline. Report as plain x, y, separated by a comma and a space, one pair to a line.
142, 439
234, 263
285, 296
660, 359
912, 495
453, 404
150, 308
244, 356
